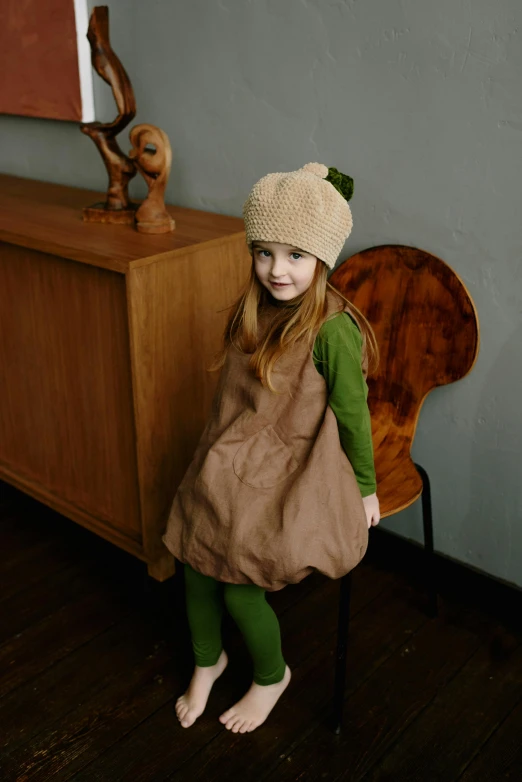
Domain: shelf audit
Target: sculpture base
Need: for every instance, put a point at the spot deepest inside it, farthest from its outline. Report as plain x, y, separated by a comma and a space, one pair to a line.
164, 227
98, 213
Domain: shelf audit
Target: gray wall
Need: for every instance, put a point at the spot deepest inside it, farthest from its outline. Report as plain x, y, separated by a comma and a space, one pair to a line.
420, 102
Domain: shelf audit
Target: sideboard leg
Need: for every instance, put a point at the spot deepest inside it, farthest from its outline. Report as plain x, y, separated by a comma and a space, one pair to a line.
162, 568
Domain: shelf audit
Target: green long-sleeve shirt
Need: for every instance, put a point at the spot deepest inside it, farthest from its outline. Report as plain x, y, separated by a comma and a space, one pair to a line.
337, 357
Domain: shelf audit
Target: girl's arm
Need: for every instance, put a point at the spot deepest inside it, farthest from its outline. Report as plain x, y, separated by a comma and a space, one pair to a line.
338, 358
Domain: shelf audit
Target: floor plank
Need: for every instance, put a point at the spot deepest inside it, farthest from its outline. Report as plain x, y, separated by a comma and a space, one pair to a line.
445, 737
93, 655
379, 711
500, 758
152, 754
382, 626
36, 551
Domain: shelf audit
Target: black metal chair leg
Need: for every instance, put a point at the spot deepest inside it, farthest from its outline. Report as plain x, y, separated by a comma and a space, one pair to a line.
427, 521
342, 642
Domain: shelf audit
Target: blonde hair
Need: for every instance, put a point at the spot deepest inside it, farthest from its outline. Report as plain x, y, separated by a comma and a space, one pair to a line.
300, 319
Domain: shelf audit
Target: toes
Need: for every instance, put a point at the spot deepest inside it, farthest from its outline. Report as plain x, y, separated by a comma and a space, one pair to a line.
181, 710
227, 717
232, 723
183, 713
188, 719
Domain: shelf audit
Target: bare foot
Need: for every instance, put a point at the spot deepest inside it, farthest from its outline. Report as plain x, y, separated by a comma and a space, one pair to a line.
254, 707
192, 704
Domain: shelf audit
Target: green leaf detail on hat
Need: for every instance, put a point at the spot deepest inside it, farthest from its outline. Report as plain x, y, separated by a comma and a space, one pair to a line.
342, 182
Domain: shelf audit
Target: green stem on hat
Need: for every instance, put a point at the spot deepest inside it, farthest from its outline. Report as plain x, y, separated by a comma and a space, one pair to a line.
342, 182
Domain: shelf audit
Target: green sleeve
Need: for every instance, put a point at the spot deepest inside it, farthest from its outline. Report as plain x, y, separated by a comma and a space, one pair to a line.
337, 357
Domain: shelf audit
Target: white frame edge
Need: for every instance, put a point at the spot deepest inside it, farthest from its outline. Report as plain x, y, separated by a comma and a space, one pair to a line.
84, 60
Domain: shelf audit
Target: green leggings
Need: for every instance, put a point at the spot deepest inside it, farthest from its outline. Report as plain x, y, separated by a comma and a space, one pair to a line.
252, 614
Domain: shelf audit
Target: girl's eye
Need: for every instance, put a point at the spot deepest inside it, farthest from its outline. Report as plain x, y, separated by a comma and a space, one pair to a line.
264, 253
296, 256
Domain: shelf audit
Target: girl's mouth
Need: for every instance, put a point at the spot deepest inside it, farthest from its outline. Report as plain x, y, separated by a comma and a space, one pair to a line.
279, 284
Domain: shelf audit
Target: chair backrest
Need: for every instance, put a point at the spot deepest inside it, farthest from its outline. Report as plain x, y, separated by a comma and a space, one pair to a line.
425, 323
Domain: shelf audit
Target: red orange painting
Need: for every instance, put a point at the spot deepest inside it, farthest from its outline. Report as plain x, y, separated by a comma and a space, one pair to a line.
45, 68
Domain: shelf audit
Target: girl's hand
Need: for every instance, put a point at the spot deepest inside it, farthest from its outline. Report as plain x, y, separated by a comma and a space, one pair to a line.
373, 513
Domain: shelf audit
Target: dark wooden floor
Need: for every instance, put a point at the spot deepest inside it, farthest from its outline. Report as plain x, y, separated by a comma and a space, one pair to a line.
93, 655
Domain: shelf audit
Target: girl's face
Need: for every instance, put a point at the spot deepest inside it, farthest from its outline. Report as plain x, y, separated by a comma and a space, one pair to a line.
284, 270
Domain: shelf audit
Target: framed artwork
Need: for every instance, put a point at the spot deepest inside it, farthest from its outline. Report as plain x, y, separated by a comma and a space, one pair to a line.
45, 60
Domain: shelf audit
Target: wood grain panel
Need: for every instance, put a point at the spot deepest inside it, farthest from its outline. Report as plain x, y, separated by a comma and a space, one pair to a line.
177, 309
427, 329
66, 420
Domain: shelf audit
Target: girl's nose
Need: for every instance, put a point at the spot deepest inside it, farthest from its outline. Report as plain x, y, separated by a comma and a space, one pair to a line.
277, 269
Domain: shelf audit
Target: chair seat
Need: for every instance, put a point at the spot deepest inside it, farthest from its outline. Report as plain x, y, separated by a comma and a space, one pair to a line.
398, 482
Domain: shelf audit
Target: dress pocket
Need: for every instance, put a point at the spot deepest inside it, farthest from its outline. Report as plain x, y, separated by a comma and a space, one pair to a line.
264, 460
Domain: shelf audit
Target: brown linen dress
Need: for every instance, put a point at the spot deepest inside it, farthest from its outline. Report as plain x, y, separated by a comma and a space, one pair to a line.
270, 495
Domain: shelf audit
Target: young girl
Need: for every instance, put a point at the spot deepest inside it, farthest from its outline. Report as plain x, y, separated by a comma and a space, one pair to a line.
282, 482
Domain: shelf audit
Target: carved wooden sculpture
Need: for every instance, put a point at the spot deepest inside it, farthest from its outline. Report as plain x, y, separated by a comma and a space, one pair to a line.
152, 155
121, 169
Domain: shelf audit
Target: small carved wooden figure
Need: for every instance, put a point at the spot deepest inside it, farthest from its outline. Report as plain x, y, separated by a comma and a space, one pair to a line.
117, 208
152, 156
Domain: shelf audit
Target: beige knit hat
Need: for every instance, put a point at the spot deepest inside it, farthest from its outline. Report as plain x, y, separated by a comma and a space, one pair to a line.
302, 208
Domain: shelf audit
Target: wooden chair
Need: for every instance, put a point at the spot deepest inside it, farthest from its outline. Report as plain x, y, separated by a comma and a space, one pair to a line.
427, 330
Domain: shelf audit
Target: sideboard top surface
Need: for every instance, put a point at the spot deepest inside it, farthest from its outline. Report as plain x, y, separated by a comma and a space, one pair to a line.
48, 217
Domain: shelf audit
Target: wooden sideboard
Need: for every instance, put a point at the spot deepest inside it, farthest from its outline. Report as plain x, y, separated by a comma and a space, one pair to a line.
106, 336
